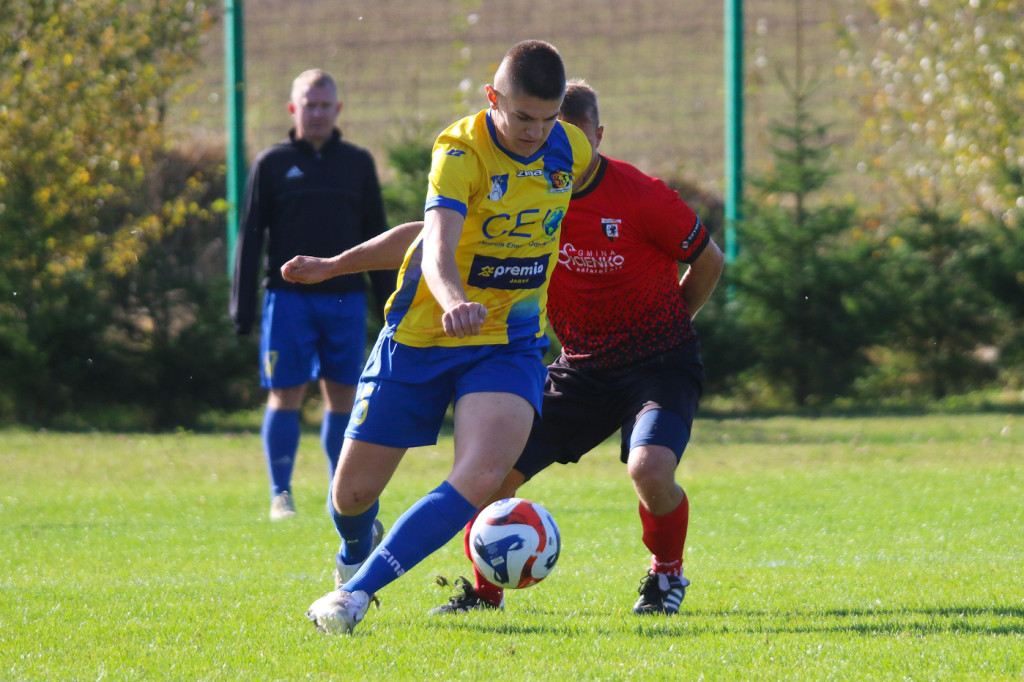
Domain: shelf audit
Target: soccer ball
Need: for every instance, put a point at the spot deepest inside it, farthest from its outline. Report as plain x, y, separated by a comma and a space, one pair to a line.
514, 543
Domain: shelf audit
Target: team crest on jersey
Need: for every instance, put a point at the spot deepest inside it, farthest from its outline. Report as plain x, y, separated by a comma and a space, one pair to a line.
611, 227
499, 185
559, 181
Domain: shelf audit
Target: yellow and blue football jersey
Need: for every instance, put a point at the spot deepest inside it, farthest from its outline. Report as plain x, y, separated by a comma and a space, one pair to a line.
513, 208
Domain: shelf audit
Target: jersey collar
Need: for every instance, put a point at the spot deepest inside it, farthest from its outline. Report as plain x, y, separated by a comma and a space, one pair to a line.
525, 160
595, 178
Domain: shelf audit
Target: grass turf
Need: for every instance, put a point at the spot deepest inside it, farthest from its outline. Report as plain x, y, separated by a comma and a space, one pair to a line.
838, 548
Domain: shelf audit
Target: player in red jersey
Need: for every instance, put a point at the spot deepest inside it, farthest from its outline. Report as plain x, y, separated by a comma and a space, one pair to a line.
630, 354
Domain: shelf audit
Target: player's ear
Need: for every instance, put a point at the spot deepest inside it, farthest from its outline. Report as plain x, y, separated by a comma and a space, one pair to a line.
291, 107
598, 135
492, 95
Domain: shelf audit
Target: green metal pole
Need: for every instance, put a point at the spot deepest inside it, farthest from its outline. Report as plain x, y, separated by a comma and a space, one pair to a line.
733, 123
234, 85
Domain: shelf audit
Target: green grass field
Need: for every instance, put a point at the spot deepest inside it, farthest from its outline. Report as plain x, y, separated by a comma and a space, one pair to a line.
834, 548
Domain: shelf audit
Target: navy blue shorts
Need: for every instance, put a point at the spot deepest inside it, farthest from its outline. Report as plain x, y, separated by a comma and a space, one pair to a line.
405, 391
307, 336
653, 403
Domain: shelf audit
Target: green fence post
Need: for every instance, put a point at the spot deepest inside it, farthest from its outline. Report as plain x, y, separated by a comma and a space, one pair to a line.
234, 85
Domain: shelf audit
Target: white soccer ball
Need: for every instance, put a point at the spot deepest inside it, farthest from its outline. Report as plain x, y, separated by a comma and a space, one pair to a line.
514, 543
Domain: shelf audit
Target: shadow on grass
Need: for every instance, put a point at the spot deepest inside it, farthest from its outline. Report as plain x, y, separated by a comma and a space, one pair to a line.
997, 620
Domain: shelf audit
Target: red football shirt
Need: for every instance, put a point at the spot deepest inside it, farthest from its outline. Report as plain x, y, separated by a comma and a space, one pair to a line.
614, 297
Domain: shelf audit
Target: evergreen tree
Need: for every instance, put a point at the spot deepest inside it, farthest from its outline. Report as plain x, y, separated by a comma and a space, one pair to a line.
802, 279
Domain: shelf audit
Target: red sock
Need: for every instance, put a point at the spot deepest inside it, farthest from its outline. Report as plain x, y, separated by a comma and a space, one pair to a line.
665, 536
488, 592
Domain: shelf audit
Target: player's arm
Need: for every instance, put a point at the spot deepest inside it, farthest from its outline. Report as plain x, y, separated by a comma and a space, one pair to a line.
253, 224
386, 251
701, 276
441, 234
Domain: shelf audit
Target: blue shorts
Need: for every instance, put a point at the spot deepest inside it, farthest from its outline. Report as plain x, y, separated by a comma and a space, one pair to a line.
651, 403
405, 391
308, 336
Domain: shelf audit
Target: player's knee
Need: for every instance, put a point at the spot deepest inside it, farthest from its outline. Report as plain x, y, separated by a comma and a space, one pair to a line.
286, 398
481, 487
509, 486
652, 468
351, 501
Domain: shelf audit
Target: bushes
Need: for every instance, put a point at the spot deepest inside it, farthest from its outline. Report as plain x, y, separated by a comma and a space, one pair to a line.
149, 347
90, 193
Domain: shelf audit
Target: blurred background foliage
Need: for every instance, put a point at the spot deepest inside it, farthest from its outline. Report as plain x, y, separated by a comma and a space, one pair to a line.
889, 277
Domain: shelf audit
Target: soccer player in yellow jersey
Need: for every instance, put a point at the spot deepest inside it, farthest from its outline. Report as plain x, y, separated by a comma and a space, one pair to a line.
465, 324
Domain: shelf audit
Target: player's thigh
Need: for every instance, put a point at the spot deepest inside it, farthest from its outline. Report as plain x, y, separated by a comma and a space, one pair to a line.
288, 340
497, 396
337, 397
490, 431
576, 417
662, 399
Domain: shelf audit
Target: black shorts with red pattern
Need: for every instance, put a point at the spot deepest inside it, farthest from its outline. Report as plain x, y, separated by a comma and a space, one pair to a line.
653, 402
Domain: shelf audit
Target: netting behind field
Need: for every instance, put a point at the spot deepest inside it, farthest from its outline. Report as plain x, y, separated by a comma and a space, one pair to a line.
407, 67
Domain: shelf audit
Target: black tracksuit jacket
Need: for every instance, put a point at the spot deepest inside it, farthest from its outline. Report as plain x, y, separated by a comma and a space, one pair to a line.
303, 202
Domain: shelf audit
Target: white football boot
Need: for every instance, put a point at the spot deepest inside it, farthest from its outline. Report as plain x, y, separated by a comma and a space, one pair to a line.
282, 506
338, 612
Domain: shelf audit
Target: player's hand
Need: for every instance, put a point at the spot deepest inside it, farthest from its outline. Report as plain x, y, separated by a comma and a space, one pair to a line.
464, 319
306, 270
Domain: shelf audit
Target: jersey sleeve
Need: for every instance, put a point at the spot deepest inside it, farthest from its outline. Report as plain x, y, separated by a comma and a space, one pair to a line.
452, 177
254, 220
676, 228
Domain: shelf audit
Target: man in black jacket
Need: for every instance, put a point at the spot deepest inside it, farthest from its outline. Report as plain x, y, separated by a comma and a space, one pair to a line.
311, 194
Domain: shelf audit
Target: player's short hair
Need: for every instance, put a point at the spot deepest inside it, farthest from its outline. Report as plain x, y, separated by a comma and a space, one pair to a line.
580, 103
313, 78
533, 68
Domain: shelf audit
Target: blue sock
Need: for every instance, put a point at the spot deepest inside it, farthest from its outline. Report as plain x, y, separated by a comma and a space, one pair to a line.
356, 532
424, 528
332, 435
280, 443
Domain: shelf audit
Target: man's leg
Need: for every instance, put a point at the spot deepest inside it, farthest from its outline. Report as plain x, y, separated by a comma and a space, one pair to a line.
280, 436
481, 594
364, 469
287, 346
337, 408
490, 431
665, 515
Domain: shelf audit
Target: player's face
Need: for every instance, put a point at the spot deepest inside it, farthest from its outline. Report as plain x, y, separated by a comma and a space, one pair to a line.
522, 122
315, 112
